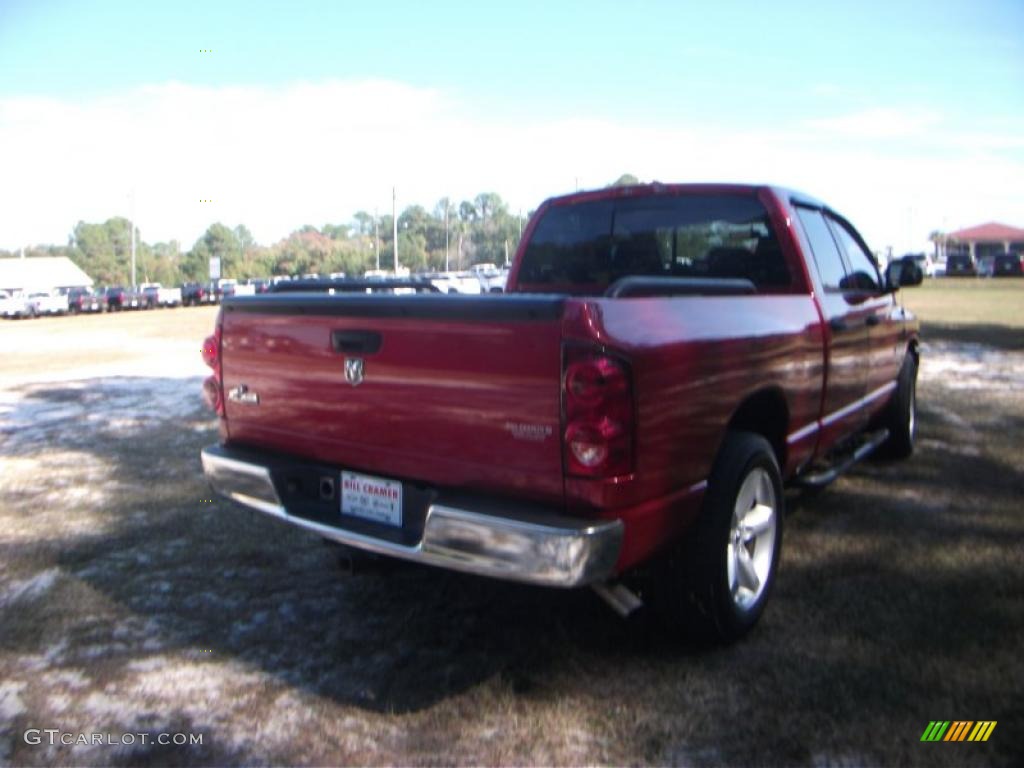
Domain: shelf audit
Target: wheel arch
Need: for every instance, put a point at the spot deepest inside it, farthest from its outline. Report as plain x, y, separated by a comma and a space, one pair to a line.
766, 413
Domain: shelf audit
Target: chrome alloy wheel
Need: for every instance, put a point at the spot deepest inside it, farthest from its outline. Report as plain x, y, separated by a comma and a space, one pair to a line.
751, 544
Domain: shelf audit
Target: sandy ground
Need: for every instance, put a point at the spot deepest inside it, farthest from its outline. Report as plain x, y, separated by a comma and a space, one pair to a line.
133, 604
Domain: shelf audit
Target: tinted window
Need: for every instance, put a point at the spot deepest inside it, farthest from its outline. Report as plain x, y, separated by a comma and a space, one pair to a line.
826, 254
863, 272
593, 244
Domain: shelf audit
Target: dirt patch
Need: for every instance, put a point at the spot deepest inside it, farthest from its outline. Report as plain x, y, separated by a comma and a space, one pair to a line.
131, 602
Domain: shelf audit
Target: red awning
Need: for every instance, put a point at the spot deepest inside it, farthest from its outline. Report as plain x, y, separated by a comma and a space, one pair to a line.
992, 232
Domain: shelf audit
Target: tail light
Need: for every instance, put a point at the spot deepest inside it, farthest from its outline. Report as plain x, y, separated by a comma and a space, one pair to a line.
213, 390
598, 393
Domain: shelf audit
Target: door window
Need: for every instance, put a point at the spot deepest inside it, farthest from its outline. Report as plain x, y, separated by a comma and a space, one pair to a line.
827, 258
863, 272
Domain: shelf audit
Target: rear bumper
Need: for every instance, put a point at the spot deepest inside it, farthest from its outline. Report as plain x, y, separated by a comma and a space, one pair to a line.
500, 539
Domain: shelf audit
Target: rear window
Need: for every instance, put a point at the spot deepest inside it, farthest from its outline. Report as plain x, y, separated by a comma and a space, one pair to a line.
585, 247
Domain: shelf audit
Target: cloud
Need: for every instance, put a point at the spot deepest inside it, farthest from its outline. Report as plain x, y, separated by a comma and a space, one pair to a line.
878, 123
275, 158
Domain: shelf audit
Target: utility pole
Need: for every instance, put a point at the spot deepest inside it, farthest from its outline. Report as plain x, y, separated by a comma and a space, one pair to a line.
446, 234
133, 239
376, 237
394, 224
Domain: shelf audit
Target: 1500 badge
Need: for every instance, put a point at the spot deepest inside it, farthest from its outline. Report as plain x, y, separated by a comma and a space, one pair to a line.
535, 433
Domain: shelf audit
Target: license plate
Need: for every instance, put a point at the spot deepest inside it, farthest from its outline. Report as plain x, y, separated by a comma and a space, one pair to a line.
371, 498
94, 306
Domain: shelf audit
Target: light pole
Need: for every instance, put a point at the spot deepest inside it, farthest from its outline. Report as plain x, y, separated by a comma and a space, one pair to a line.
376, 237
133, 239
394, 225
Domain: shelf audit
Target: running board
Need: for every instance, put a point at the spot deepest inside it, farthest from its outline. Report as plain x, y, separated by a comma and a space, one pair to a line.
823, 477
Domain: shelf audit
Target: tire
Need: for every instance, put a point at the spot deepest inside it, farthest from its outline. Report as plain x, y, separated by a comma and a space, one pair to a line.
714, 585
901, 415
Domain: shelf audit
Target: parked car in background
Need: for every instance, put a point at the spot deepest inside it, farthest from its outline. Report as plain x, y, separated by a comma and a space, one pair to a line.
194, 294
259, 284
14, 305
119, 298
47, 303
86, 300
496, 283
231, 287
485, 270
156, 295
959, 265
459, 282
1000, 265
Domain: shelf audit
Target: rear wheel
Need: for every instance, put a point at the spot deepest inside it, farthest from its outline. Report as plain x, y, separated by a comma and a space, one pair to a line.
714, 586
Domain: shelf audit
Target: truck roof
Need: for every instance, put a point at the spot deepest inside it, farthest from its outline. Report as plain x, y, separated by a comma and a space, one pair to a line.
659, 188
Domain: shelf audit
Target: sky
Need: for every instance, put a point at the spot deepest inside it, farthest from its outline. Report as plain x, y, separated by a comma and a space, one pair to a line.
907, 117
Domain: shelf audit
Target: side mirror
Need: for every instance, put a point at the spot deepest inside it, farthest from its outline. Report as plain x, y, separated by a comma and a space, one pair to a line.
902, 274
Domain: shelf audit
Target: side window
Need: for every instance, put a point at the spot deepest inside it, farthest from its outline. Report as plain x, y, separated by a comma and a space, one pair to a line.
826, 254
864, 273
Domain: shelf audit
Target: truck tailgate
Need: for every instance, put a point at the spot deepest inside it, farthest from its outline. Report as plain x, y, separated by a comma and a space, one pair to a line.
452, 391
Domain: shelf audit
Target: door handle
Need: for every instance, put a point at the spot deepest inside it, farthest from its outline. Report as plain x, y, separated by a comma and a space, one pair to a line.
356, 342
873, 320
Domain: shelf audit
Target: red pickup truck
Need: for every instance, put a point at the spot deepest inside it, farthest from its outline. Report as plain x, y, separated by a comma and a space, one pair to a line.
664, 359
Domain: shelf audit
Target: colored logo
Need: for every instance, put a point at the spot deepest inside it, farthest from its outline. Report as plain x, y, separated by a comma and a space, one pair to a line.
958, 730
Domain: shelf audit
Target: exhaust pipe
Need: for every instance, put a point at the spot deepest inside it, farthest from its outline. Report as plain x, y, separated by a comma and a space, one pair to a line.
621, 598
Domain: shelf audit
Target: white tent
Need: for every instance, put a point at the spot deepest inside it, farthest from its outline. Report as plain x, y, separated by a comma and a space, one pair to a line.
41, 274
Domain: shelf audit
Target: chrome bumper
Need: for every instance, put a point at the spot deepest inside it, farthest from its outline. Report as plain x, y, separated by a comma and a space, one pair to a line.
513, 543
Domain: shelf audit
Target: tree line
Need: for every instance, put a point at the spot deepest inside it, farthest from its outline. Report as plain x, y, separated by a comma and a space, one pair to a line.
473, 231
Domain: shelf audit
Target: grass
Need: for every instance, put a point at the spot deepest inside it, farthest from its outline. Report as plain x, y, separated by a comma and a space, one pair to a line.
969, 309
52, 344
968, 301
128, 603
